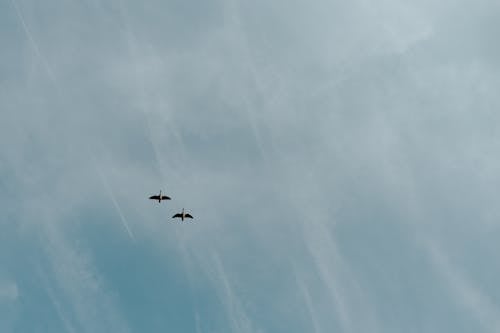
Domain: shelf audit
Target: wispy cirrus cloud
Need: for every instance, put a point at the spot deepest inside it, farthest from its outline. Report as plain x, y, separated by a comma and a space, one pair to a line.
320, 146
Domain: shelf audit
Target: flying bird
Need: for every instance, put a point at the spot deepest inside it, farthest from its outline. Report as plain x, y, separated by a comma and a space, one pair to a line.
159, 197
182, 215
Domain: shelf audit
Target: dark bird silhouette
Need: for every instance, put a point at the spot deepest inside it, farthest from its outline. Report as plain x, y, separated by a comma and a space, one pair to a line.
182, 215
159, 197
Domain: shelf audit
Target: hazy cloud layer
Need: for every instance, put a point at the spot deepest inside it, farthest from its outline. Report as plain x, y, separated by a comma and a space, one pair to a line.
340, 160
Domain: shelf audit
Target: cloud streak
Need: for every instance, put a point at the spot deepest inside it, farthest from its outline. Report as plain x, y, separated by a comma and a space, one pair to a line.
34, 44
118, 209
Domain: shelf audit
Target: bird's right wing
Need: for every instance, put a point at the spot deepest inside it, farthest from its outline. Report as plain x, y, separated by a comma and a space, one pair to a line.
164, 197
177, 215
154, 197
188, 216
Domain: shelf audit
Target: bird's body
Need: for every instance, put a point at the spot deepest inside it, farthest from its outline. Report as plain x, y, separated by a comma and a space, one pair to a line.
183, 215
159, 197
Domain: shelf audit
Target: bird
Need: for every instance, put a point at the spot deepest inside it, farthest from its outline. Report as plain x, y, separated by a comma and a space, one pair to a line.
159, 197
182, 215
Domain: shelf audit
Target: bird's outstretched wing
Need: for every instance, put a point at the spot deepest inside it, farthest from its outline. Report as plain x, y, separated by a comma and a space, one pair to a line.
154, 197
177, 215
164, 197
188, 216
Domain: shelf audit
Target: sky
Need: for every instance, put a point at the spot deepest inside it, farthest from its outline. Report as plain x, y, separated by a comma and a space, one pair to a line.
340, 159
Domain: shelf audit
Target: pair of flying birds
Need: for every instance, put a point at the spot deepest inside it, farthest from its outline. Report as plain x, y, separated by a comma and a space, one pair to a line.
182, 215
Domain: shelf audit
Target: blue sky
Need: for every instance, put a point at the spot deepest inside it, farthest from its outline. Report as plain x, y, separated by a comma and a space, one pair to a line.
340, 159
